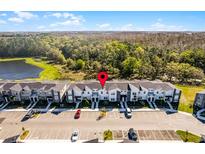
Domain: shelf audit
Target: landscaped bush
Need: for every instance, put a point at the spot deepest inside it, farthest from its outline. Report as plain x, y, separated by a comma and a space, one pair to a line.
107, 135
24, 134
85, 103
188, 137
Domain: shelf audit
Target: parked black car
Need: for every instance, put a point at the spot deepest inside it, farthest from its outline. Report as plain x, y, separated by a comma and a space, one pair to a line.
132, 135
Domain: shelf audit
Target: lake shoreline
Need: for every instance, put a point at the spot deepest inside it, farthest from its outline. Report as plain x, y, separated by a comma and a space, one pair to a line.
49, 72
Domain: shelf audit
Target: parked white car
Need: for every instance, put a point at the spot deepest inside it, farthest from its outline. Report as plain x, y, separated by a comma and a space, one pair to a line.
74, 136
128, 113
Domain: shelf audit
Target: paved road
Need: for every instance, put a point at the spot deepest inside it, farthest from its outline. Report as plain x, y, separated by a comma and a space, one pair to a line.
60, 126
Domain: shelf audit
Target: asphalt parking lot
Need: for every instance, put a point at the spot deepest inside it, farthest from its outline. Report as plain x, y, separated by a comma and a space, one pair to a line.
59, 126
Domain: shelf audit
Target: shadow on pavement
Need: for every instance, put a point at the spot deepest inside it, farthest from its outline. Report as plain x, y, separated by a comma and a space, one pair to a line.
11, 139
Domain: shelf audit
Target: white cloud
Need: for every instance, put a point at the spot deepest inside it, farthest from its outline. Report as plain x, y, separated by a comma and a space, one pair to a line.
159, 26
104, 26
16, 20
71, 20
25, 15
41, 27
128, 27
2, 22
3, 14
22, 16
159, 19
45, 16
57, 15
65, 15
66, 23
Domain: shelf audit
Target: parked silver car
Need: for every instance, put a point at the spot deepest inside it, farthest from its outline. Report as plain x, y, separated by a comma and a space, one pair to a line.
74, 136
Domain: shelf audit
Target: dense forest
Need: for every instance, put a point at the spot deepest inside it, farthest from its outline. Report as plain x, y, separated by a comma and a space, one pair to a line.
170, 56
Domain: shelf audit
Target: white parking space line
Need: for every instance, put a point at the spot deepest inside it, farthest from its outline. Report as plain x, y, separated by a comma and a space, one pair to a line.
47, 134
55, 134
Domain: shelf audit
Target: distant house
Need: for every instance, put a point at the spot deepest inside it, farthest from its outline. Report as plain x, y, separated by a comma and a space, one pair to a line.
199, 101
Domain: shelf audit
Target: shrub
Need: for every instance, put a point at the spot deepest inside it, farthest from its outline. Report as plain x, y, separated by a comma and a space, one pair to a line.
107, 135
85, 103
24, 134
188, 137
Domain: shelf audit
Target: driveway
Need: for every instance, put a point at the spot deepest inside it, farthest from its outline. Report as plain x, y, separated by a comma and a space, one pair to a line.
60, 126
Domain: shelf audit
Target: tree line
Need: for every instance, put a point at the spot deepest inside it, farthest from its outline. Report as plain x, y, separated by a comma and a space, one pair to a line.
176, 57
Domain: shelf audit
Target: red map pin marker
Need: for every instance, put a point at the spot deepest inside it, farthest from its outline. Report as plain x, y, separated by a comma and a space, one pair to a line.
102, 77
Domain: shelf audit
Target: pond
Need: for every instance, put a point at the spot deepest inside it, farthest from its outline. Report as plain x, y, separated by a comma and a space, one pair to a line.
16, 70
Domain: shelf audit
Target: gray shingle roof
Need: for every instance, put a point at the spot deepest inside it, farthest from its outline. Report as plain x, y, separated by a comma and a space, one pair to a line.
123, 85
16, 87
33, 85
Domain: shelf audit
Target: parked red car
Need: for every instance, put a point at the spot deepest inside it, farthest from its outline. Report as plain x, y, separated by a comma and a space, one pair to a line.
77, 114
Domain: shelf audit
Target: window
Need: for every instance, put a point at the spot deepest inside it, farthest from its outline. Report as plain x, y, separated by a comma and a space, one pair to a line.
134, 93
199, 100
88, 92
112, 99
101, 92
112, 93
105, 98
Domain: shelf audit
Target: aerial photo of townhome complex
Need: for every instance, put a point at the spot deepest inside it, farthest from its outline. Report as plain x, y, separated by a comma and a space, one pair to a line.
91, 77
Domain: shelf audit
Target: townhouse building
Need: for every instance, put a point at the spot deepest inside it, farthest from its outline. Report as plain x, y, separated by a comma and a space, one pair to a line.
115, 91
33, 91
199, 101
123, 92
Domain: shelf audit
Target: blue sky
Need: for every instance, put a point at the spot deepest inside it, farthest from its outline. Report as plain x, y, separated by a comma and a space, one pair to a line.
102, 21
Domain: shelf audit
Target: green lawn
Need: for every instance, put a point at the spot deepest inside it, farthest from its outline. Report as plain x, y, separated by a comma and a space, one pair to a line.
50, 71
187, 97
188, 137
